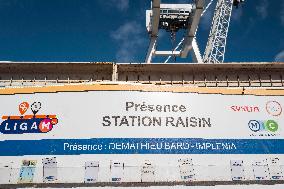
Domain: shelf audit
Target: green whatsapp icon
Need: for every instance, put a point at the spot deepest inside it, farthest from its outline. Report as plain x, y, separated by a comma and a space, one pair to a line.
271, 125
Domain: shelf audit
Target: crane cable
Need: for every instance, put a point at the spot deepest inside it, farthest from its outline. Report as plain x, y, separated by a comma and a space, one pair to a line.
179, 44
173, 40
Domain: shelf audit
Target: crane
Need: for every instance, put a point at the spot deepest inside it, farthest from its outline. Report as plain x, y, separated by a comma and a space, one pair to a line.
216, 44
173, 17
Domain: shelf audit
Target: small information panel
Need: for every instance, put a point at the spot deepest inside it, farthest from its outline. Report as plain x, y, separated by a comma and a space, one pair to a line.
260, 170
117, 170
49, 169
237, 169
27, 171
148, 172
91, 171
186, 169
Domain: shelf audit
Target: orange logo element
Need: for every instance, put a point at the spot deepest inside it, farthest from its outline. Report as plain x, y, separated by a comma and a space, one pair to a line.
54, 121
23, 107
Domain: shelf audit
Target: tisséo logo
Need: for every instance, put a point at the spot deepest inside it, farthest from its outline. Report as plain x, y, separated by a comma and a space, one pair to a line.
258, 126
33, 123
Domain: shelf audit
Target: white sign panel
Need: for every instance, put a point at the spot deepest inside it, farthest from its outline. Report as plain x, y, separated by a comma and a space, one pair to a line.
160, 134
128, 122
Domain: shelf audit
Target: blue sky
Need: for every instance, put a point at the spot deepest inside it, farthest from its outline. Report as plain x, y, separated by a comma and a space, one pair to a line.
114, 30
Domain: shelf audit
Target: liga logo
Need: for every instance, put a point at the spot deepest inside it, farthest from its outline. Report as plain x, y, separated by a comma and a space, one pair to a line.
30, 123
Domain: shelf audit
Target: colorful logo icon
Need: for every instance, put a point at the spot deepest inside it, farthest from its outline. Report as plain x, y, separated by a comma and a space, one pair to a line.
28, 123
273, 108
258, 126
23, 107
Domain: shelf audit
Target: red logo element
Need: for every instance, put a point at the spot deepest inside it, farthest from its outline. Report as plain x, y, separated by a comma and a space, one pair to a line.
23, 107
45, 125
273, 108
245, 108
54, 121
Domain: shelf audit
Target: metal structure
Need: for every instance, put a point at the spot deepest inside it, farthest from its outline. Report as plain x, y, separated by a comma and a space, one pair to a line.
216, 45
172, 18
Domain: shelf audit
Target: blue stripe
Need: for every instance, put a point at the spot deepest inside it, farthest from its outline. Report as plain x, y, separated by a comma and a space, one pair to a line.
141, 146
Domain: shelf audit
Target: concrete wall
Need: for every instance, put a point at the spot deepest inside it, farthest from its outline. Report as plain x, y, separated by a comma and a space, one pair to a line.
206, 75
